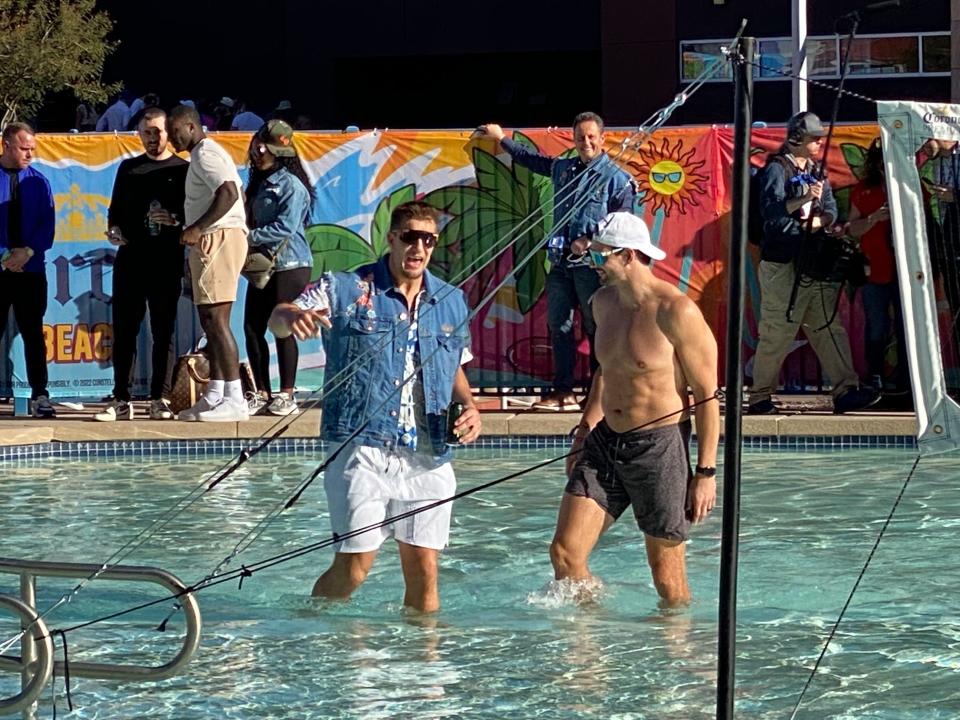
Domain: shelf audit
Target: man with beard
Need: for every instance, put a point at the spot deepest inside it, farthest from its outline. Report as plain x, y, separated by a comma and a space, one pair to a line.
396, 338
146, 210
652, 344
215, 230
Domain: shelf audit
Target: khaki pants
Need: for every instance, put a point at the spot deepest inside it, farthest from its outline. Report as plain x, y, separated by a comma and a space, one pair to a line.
812, 309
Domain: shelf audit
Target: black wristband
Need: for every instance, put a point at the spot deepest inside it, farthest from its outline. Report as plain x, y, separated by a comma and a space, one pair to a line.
705, 471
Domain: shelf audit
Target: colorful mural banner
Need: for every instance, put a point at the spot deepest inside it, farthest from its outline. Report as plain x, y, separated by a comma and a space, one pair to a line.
682, 174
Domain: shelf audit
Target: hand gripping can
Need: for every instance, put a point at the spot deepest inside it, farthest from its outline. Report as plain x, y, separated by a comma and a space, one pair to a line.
454, 411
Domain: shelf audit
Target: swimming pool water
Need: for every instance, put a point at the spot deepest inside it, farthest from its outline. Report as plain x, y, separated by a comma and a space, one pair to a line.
503, 646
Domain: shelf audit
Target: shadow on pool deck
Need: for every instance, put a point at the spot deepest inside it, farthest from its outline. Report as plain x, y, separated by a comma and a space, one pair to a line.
802, 416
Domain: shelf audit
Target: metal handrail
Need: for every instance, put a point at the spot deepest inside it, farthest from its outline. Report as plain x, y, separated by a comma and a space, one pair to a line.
36, 664
29, 570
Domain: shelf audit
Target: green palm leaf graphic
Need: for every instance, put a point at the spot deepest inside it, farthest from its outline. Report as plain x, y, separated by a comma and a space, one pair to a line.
483, 219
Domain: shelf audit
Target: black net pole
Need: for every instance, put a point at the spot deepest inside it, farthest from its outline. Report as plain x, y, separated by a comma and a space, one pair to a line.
736, 274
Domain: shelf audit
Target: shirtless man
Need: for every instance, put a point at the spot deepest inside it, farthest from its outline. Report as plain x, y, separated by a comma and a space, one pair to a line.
652, 343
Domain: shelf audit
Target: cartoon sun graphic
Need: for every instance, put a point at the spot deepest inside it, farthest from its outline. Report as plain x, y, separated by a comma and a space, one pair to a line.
668, 177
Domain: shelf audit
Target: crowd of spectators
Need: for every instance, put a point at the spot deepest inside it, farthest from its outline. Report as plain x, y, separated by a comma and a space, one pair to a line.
124, 111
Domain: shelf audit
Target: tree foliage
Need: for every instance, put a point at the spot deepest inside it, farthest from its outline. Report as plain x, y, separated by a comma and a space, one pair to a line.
51, 45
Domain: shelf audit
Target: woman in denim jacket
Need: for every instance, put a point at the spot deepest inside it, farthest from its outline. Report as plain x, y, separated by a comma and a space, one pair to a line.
278, 204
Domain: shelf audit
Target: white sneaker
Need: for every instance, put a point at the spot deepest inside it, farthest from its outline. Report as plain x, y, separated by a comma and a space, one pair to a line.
226, 411
190, 414
255, 403
282, 404
160, 410
116, 410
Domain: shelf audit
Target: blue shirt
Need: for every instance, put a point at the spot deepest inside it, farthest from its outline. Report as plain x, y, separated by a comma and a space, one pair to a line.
279, 212
595, 189
37, 216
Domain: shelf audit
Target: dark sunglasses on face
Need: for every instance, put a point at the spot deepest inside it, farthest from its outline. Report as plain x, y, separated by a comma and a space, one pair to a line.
411, 237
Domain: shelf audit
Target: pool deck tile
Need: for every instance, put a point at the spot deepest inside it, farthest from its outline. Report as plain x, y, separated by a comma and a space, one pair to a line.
78, 426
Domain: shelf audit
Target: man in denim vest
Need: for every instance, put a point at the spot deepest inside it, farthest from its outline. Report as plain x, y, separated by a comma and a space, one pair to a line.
586, 188
396, 337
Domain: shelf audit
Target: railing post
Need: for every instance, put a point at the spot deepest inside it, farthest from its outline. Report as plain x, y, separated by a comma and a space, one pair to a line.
28, 653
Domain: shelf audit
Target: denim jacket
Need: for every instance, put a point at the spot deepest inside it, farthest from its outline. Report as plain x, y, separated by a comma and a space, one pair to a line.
279, 211
366, 352
614, 190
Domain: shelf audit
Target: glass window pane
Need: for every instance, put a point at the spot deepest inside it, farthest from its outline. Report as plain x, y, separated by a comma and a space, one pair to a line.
936, 53
822, 57
775, 59
696, 56
884, 56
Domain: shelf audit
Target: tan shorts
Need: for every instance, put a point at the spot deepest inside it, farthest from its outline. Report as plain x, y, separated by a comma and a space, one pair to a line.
215, 265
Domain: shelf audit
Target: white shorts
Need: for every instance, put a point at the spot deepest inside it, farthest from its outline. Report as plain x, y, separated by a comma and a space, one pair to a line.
366, 485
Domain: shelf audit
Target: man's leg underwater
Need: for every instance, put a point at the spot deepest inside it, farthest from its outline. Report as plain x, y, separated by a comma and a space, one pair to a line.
420, 573
668, 564
345, 574
580, 523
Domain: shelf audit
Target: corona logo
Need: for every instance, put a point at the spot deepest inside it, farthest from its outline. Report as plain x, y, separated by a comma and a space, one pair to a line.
80, 216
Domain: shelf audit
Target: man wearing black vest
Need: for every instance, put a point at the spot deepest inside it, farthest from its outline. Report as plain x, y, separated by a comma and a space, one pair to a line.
27, 224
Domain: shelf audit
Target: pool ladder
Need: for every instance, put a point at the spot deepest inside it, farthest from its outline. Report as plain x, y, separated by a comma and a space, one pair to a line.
36, 661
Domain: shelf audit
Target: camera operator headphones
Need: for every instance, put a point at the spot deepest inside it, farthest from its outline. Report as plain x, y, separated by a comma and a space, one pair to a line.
804, 124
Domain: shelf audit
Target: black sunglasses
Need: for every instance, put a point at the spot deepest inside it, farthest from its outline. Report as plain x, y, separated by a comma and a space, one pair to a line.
411, 237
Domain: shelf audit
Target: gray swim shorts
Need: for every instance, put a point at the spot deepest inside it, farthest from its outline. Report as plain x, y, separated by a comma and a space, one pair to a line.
648, 469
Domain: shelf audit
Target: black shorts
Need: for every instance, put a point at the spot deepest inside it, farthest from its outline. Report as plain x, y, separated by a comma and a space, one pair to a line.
646, 469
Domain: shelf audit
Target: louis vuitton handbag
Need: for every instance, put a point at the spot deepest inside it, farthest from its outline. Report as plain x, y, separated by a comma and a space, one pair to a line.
190, 377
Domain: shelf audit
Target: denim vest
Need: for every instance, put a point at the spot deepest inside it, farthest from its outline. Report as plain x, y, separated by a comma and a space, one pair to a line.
368, 342
279, 212
610, 184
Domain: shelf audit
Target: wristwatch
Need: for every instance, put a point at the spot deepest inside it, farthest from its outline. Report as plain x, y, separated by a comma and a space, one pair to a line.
705, 471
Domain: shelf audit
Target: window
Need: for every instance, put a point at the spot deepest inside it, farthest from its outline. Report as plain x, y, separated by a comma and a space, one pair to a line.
696, 56
822, 60
883, 55
776, 58
875, 55
936, 53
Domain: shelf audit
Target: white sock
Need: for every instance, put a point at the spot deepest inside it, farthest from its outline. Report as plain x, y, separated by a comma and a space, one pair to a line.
214, 392
233, 390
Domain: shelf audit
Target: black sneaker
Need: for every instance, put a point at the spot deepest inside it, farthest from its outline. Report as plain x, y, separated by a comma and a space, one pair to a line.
40, 407
858, 398
763, 407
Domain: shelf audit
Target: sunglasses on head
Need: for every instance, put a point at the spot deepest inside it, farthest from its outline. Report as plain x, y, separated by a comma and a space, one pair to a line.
412, 237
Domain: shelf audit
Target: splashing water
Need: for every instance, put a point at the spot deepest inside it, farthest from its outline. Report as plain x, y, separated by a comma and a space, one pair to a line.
569, 591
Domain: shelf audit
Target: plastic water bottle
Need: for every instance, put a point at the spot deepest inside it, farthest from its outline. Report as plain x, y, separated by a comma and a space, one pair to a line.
153, 227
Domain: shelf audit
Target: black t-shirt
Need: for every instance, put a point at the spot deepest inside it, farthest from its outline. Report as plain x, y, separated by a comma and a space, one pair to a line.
141, 181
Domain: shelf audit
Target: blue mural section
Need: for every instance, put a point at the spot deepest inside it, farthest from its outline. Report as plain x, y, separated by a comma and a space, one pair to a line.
78, 329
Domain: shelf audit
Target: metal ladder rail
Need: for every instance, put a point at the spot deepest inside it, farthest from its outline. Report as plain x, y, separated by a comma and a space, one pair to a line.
29, 570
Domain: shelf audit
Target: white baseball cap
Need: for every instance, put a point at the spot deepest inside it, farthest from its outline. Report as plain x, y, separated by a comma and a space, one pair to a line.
626, 230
